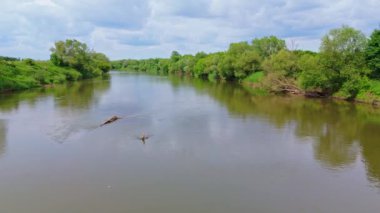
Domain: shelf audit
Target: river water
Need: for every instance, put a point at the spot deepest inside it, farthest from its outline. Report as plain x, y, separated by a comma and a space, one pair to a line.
213, 148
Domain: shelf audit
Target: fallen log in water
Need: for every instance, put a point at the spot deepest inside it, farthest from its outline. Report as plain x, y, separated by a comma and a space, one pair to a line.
143, 137
315, 94
111, 120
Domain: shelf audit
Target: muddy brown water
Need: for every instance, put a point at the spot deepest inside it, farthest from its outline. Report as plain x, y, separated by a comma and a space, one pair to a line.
213, 148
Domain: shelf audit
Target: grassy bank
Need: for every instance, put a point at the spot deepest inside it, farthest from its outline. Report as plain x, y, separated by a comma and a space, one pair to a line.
70, 60
347, 66
26, 74
369, 94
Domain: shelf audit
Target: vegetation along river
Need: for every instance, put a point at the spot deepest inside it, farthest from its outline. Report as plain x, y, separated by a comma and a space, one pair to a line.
212, 148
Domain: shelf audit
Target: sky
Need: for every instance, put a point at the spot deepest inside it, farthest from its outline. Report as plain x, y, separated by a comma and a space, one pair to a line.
154, 28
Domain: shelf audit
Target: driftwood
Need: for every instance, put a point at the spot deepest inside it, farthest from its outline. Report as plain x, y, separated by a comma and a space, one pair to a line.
280, 84
286, 86
315, 94
111, 120
143, 137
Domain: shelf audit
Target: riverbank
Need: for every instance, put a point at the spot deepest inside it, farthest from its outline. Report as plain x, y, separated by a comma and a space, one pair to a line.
369, 95
255, 145
256, 85
70, 60
27, 74
345, 67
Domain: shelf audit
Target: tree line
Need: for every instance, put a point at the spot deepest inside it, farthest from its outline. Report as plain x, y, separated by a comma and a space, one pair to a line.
70, 60
347, 65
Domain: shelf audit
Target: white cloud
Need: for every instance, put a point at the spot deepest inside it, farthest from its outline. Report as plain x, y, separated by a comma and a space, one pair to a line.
153, 28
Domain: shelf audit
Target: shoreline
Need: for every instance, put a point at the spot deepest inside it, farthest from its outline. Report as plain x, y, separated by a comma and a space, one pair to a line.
316, 95
307, 95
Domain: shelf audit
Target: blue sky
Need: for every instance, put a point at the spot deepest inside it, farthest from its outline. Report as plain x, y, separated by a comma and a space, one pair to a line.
153, 28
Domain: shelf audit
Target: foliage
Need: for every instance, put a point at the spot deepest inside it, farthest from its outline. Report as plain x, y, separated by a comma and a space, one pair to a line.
255, 77
101, 61
6, 58
372, 53
345, 66
284, 62
268, 46
74, 54
247, 63
238, 62
175, 56
341, 47
29, 61
342, 60
70, 61
312, 76
17, 75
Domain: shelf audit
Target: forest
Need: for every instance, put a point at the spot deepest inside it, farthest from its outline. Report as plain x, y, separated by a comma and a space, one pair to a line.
70, 60
347, 65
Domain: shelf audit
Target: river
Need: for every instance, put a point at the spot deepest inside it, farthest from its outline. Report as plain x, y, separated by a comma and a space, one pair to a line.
213, 148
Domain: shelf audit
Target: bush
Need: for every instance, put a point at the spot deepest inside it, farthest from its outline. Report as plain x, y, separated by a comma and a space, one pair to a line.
76, 55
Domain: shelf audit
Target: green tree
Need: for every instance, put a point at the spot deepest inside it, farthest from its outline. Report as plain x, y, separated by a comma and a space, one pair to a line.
74, 54
342, 57
175, 56
236, 49
226, 66
70, 53
246, 63
208, 66
313, 77
284, 62
268, 46
101, 61
372, 53
239, 62
343, 46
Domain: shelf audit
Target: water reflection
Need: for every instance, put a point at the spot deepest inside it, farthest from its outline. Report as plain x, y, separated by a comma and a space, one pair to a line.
3, 136
80, 95
211, 144
340, 131
370, 149
74, 103
76, 95
11, 101
71, 114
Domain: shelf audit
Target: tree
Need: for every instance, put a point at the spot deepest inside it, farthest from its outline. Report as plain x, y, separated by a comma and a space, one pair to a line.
246, 63
226, 66
74, 54
175, 56
372, 53
284, 62
101, 61
313, 77
69, 53
281, 72
343, 46
268, 46
342, 57
239, 61
236, 49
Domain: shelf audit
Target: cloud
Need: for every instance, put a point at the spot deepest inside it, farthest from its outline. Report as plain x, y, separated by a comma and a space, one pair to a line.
130, 14
153, 28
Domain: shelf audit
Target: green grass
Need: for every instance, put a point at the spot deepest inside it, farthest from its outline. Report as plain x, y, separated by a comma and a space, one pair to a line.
375, 87
26, 74
254, 77
371, 94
